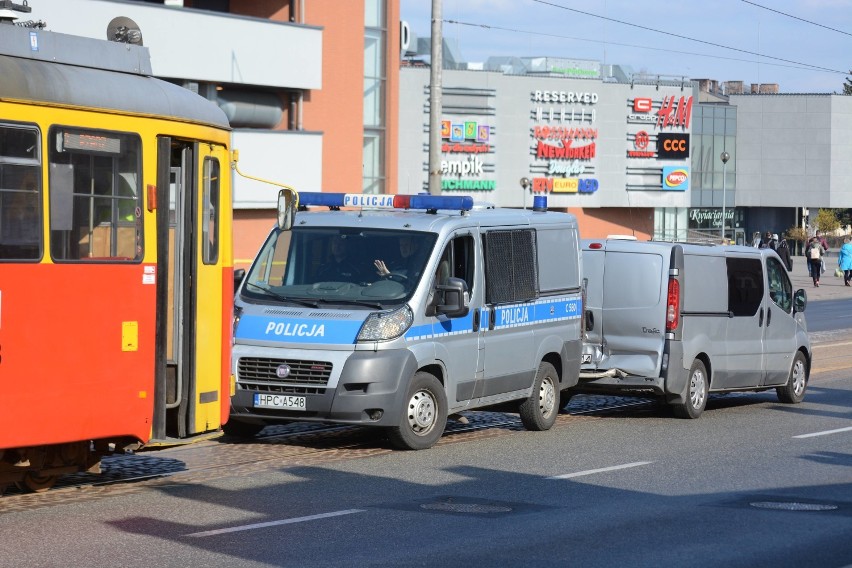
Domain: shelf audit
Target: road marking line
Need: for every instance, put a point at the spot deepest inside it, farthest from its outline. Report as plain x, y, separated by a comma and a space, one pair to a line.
276, 523
829, 344
601, 470
824, 433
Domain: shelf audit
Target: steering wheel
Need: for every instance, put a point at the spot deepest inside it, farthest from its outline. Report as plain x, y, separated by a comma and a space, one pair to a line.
397, 277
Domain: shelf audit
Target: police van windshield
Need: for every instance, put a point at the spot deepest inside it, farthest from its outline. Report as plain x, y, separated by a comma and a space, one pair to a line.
314, 267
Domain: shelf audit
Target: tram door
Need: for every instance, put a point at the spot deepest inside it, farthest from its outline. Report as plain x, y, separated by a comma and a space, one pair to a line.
189, 290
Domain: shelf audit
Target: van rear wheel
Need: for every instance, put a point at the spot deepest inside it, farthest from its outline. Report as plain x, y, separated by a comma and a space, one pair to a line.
794, 391
424, 417
697, 388
539, 411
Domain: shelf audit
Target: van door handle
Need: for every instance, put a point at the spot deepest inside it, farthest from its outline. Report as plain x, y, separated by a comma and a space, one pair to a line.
760, 319
768, 316
476, 319
492, 313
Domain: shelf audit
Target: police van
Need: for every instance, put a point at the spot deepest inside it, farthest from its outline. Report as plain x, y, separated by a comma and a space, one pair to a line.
396, 311
678, 321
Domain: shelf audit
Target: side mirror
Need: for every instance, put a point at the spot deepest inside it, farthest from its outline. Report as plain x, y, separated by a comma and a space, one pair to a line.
286, 209
456, 302
800, 301
239, 274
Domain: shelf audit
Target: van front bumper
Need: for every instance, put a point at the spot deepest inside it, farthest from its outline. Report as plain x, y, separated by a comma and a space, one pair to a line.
370, 391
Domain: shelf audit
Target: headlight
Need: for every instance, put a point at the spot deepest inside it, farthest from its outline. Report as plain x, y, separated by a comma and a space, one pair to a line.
384, 326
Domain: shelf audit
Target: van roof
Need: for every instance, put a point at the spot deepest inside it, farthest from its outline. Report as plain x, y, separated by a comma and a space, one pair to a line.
434, 222
621, 245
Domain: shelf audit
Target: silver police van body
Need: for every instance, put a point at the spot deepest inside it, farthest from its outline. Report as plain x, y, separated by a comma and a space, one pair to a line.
679, 321
405, 311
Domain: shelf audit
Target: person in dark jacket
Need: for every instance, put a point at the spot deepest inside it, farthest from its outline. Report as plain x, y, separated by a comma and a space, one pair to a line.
783, 251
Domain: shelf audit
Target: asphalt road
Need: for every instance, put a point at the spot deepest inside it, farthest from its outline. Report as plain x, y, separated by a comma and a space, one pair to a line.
751, 483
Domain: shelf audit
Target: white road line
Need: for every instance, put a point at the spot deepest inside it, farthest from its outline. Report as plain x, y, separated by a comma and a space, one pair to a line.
823, 433
601, 470
276, 523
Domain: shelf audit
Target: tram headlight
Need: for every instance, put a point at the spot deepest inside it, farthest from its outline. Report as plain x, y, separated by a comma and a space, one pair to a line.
384, 326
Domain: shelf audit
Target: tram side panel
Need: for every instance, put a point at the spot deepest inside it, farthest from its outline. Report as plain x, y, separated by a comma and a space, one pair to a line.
76, 359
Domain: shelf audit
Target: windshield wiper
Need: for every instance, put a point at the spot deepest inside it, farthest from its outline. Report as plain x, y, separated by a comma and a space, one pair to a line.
356, 302
301, 301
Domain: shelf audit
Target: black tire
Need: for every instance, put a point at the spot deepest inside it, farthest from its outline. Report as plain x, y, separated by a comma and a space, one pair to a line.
794, 391
539, 411
697, 390
238, 429
35, 482
424, 416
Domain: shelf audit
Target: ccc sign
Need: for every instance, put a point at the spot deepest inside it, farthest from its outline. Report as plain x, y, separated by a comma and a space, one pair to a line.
672, 146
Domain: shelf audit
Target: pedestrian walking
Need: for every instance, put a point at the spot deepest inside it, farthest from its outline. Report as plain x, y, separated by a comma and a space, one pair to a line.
844, 261
814, 254
783, 251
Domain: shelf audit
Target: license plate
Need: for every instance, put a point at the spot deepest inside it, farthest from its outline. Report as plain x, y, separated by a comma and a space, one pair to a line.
279, 401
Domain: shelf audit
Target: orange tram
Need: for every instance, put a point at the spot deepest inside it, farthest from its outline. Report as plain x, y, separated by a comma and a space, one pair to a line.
116, 262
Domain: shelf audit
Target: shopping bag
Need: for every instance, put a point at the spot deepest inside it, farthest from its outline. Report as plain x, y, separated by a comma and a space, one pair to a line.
838, 272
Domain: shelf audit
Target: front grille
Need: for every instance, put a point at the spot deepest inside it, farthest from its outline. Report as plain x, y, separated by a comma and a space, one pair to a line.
260, 374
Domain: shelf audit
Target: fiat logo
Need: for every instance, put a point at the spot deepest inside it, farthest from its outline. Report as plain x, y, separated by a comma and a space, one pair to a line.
283, 371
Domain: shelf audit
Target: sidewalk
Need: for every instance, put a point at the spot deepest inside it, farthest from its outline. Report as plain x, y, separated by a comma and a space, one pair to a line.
830, 286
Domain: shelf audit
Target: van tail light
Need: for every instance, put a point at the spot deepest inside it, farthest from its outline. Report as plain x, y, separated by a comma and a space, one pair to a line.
673, 305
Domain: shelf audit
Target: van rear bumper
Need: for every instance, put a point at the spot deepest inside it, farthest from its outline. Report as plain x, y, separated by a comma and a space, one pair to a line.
671, 383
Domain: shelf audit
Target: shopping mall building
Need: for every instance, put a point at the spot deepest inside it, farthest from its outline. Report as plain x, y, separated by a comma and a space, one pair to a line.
331, 95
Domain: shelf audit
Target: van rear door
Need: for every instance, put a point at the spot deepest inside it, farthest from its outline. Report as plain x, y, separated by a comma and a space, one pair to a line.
630, 323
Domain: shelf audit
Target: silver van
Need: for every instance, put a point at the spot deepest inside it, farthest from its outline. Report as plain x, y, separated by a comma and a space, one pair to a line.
679, 321
406, 309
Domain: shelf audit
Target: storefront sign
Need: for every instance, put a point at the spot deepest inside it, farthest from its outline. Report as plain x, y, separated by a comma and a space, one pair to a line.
563, 114
468, 130
564, 133
674, 112
675, 178
465, 148
564, 185
470, 166
468, 185
565, 97
566, 151
640, 142
673, 146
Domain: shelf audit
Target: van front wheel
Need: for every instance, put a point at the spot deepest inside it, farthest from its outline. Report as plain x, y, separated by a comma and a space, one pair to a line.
539, 411
697, 388
424, 416
794, 391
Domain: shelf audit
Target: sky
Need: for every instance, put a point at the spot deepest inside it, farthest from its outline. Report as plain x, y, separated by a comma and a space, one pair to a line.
803, 45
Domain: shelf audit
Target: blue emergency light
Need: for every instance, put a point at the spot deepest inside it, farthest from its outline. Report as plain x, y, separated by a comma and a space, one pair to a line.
371, 201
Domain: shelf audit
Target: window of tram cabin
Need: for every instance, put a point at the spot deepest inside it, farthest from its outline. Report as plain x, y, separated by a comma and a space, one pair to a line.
20, 193
95, 197
210, 214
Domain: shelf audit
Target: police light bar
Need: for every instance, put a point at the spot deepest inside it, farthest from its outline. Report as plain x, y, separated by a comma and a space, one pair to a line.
370, 201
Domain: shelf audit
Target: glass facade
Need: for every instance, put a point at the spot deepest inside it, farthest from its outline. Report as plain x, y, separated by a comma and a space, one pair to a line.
714, 130
375, 74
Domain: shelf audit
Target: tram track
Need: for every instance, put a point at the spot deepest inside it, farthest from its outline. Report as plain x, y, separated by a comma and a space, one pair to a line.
303, 443
277, 446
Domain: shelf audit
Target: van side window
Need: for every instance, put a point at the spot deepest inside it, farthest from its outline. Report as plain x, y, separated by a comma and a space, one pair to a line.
510, 266
780, 288
745, 286
457, 262
556, 277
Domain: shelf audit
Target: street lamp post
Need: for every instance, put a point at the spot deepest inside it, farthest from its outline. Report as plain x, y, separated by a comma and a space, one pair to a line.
725, 157
525, 183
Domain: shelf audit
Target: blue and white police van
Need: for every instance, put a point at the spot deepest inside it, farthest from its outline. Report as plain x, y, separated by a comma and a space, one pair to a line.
396, 311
